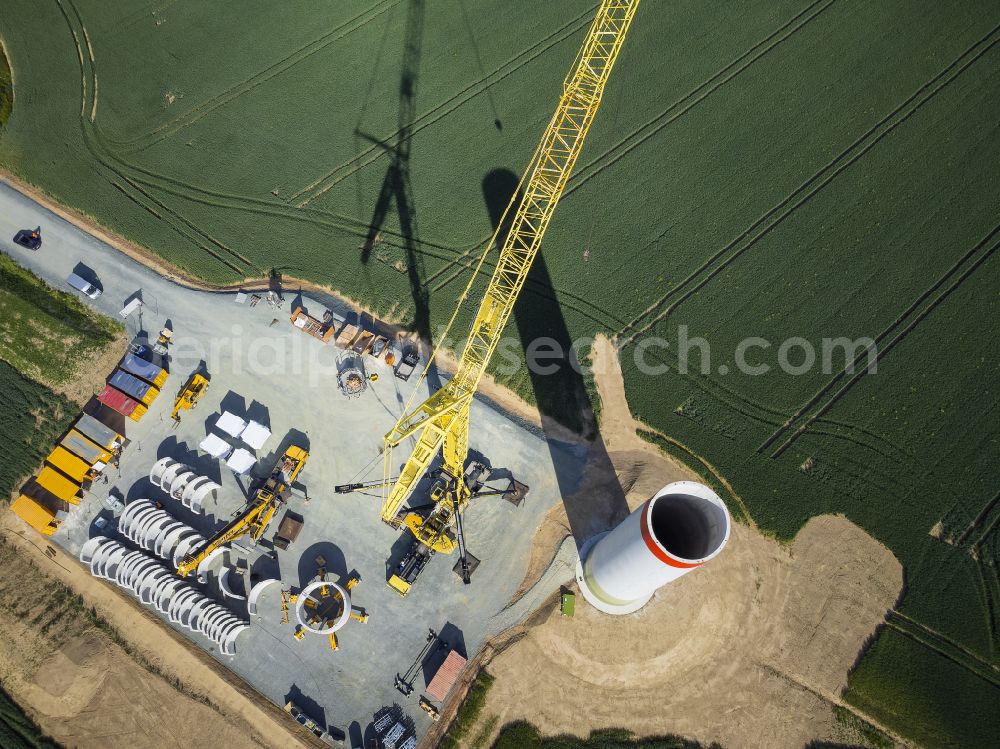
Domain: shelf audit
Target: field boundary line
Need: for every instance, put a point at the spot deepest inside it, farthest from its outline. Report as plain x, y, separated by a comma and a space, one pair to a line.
810, 187
834, 699
983, 513
882, 352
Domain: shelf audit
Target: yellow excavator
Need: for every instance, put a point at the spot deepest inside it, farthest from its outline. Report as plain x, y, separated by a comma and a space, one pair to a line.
253, 519
441, 423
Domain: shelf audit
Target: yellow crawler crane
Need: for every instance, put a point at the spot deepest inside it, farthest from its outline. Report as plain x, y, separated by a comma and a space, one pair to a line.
442, 421
257, 515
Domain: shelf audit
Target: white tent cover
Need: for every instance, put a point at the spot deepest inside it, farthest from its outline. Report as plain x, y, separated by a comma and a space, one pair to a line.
215, 446
255, 435
230, 423
241, 461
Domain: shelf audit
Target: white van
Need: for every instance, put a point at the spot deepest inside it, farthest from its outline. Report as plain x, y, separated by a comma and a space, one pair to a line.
84, 287
131, 307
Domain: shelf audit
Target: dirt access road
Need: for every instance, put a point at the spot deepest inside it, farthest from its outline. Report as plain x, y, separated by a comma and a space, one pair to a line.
750, 651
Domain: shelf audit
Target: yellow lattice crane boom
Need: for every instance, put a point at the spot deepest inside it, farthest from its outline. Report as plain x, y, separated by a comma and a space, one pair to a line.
442, 421
253, 519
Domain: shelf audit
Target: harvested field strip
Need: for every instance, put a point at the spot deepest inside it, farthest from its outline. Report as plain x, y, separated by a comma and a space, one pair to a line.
943, 647
695, 96
972, 260
372, 153
724, 257
196, 113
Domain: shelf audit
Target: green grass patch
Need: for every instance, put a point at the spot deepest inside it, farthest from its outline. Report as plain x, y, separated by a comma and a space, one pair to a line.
953, 709
17, 730
45, 332
523, 735
469, 712
33, 417
6, 87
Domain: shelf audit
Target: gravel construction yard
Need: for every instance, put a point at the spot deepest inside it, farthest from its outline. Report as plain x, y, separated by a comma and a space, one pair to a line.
263, 367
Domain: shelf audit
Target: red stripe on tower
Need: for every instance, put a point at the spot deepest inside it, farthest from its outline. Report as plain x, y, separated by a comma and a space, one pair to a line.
654, 547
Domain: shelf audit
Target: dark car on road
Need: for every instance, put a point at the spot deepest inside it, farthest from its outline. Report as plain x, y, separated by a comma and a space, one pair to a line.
30, 238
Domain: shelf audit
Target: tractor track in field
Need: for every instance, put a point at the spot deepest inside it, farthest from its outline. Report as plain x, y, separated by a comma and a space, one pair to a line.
991, 596
135, 182
943, 646
199, 111
899, 328
813, 185
101, 154
696, 95
585, 172
374, 152
977, 521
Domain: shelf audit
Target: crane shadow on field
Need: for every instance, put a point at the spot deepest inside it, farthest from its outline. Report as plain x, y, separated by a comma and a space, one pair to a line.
598, 502
396, 187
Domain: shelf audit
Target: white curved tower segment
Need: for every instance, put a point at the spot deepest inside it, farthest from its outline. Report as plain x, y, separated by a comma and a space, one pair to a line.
683, 526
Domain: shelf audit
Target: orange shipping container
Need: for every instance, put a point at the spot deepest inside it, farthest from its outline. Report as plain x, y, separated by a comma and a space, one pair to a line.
74, 467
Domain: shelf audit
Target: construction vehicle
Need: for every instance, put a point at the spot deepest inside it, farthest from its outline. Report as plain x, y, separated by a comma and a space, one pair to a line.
441, 423
407, 365
187, 399
416, 557
404, 682
253, 519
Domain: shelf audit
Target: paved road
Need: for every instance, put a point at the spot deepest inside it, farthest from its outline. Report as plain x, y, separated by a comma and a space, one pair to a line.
259, 363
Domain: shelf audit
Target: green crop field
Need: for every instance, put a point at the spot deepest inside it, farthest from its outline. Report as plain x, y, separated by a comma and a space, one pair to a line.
44, 332
17, 730
781, 170
32, 417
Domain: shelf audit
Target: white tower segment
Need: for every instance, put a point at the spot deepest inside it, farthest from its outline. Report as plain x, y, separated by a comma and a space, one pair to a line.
683, 526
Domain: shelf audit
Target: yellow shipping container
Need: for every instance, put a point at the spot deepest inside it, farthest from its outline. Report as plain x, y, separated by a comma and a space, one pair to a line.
38, 516
58, 485
74, 467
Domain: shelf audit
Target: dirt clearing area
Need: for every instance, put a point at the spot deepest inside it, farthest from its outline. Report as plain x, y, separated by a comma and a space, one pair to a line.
752, 650
96, 673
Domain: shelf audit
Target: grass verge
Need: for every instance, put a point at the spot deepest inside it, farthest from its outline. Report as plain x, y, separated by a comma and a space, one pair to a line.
6, 87
523, 735
32, 417
45, 332
469, 712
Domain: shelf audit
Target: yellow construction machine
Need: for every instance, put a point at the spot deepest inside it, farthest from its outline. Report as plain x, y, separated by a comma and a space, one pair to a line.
187, 399
441, 423
253, 519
